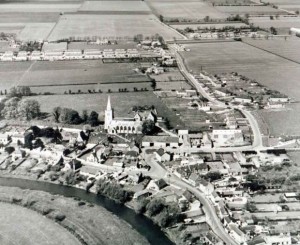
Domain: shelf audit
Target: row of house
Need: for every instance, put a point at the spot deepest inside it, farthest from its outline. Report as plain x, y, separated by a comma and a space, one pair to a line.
80, 54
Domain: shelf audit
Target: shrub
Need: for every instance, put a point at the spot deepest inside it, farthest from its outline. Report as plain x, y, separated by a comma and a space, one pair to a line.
59, 217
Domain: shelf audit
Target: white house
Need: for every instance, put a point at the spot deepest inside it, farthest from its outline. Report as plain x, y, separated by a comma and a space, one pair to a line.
162, 156
157, 185
160, 141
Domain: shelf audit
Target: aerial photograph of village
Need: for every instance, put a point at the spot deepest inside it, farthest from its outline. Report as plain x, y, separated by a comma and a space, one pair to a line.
138, 122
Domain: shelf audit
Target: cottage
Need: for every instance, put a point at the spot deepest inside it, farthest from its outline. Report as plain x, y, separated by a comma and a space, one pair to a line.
160, 141
157, 185
162, 156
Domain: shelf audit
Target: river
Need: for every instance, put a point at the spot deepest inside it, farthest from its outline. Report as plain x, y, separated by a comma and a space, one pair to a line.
140, 223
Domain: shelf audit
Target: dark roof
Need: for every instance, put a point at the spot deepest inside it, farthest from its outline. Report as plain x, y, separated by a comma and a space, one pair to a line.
161, 183
132, 153
160, 151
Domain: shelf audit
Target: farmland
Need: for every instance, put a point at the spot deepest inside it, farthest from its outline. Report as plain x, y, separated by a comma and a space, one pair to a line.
283, 122
208, 25
38, 7
23, 226
269, 69
282, 24
186, 10
83, 25
36, 31
251, 10
282, 47
121, 102
67, 73
115, 6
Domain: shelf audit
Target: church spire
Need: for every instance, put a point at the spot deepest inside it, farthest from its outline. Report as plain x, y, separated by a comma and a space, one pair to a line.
108, 107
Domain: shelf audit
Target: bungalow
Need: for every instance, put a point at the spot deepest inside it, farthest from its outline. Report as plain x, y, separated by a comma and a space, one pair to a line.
74, 54
160, 141
35, 55
132, 53
22, 56
162, 156
92, 54
7, 56
157, 185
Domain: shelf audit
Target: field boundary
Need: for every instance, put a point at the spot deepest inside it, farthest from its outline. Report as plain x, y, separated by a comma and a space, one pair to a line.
270, 52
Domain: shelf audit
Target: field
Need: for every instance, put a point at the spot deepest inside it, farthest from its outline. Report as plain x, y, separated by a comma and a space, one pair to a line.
115, 6
121, 102
283, 122
83, 25
27, 227
38, 7
67, 73
282, 24
85, 45
270, 70
209, 25
187, 10
291, 5
231, 2
284, 48
251, 10
94, 224
36, 31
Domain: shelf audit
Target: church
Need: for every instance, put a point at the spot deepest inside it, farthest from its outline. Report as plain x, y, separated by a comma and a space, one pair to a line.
126, 125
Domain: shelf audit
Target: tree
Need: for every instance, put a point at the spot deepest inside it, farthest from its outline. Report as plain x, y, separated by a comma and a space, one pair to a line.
161, 18
155, 206
153, 84
93, 119
148, 127
56, 113
28, 109
212, 176
10, 109
206, 18
70, 116
84, 116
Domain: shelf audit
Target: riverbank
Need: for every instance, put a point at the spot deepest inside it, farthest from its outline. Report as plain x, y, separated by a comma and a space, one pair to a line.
143, 225
82, 219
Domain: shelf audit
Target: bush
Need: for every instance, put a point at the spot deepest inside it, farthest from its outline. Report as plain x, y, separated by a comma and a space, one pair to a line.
59, 217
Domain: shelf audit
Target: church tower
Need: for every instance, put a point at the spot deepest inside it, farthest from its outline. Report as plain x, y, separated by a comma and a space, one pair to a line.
108, 115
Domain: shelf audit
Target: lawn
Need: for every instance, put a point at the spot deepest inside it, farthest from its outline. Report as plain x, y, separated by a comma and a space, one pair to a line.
109, 26
26, 227
115, 6
121, 102
270, 70
187, 10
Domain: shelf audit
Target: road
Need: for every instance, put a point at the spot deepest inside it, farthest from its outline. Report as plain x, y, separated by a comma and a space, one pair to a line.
257, 143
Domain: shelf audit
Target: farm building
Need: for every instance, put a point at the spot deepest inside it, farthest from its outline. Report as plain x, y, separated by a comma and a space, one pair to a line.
160, 141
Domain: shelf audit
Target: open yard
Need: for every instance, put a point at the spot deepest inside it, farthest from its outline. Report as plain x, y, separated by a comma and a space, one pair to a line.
109, 26
19, 225
270, 70
185, 10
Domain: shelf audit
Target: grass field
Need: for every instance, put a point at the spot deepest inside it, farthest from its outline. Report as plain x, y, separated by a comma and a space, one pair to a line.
188, 10
38, 7
82, 25
94, 224
270, 70
285, 48
135, 6
121, 102
251, 10
19, 225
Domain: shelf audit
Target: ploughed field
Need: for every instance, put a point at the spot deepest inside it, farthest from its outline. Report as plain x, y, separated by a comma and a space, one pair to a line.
269, 69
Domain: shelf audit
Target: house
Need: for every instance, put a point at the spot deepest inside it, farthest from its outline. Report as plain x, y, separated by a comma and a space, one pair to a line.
279, 99
142, 194
206, 187
131, 155
22, 56
35, 55
236, 202
108, 53
278, 240
160, 141
92, 54
4, 139
223, 137
7, 56
242, 100
194, 179
237, 234
222, 92
162, 156
74, 54
157, 185
131, 53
